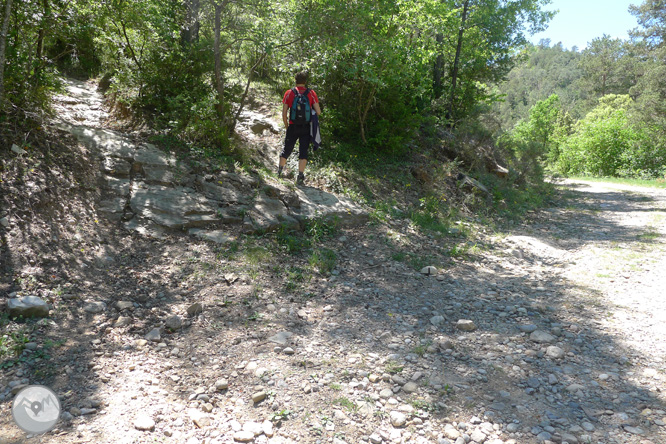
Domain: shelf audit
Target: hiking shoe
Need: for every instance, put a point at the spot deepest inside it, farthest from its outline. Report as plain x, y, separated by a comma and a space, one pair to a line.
300, 180
280, 171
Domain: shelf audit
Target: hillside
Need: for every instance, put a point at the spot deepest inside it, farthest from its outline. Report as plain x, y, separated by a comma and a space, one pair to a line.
193, 304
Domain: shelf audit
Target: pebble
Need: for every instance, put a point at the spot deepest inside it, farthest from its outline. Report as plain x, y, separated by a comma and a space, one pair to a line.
94, 307
153, 335
144, 423
410, 387
555, 352
398, 419
244, 436
194, 309
258, 397
221, 384
541, 337
465, 325
429, 270
174, 323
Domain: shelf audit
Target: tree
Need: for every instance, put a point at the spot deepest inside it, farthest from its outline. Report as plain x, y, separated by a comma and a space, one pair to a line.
604, 65
3, 45
488, 33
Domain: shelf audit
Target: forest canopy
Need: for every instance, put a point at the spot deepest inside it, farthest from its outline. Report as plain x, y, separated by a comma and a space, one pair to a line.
385, 70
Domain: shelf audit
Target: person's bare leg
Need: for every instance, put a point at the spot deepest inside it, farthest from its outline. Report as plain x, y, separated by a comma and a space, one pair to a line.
301, 164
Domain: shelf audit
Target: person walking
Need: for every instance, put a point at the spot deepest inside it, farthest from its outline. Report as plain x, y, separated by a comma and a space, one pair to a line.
297, 106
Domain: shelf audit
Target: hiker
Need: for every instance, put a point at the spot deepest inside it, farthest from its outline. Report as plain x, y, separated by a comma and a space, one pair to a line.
297, 115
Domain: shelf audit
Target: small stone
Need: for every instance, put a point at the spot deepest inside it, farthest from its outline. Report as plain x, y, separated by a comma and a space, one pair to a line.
451, 432
95, 307
634, 430
436, 320
588, 427
199, 418
258, 397
410, 387
124, 305
374, 378
541, 337
398, 419
122, 321
207, 407
574, 388
386, 393
144, 423
555, 352
466, 325
375, 438
28, 307
18, 150
528, 328
478, 436
267, 428
281, 338
221, 384
568, 437
153, 335
75, 411
194, 309
512, 428
288, 351
4, 222
429, 270
244, 436
174, 323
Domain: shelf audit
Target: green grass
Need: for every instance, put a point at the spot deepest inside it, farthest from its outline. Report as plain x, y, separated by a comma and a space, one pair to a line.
650, 183
346, 403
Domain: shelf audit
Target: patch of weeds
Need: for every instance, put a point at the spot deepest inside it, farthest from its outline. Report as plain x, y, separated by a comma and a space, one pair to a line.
291, 240
319, 229
295, 277
393, 367
257, 255
421, 349
418, 262
282, 415
430, 215
425, 406
649, 235
346, 403
399, 256
335, 386
323, 260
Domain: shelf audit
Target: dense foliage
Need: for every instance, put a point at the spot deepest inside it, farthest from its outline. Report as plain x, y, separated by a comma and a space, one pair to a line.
385, 70
379, 65
606, 104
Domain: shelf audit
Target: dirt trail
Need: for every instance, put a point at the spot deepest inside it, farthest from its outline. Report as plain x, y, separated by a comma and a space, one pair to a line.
553, 331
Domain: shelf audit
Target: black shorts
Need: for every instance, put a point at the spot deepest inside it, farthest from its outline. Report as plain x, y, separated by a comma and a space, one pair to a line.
294, 133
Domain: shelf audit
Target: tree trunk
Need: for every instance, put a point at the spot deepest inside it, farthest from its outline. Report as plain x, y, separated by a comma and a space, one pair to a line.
3, 43
219, 85
456, 62
191, 32
42, 33
438, 69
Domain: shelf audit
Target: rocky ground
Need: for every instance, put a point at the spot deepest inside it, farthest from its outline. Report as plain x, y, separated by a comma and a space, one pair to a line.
551, 331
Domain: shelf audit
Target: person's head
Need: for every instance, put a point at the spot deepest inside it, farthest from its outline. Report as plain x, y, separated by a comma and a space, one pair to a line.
301, 77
